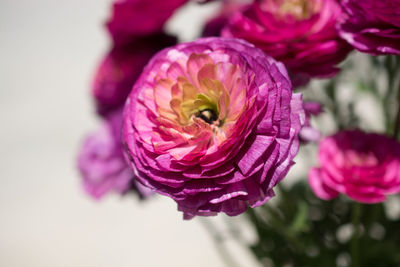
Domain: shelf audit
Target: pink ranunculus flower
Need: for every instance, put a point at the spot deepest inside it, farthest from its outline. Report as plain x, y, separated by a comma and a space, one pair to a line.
214, 125
102, 164
121, 67
363, 166
136, 18
300, 33
372, 26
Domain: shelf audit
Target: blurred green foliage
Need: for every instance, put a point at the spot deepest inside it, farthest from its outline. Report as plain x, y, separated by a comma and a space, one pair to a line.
303, 230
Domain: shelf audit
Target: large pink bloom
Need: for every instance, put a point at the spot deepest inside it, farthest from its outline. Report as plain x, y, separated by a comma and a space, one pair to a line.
372, 26
300, 33
121, 67
364, 166
135, 18
214, 125
102, 164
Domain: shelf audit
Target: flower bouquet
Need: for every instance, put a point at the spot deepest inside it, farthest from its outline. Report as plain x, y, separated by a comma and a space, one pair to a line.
218, 123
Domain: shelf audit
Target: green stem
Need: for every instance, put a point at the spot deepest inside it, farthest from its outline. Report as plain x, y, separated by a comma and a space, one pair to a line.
281, 227
388, 96
392, 64
219, 243
331, 93
356, 214
397, 120
275, 222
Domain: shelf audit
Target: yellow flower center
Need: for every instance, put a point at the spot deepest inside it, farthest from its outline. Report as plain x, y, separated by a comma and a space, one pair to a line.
203, 102
199, 99
300, 9
297, 9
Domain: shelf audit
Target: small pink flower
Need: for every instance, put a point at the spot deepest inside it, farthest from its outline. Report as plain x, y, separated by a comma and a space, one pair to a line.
214, 125
372, 26
363, 166
102, 164
300, 33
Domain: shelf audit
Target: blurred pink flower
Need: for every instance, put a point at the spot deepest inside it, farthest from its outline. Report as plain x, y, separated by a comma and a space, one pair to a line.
136, 18
102, 164
372, 26
120, 68
300, 33
363, 166
214, 125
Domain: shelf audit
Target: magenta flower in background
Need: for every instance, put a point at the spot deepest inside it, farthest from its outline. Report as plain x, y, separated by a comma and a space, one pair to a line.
214, 125
372, 26
120, 68
102, 164
363, 166
136, 18
300, 33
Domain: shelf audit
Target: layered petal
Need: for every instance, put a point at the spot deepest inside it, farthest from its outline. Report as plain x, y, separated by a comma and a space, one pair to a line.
131, 19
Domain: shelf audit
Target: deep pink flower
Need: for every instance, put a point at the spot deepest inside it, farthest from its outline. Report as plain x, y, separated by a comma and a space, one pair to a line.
363, 166
136, 18
102, 164
120, 68
300, 33
372, 26
214, 125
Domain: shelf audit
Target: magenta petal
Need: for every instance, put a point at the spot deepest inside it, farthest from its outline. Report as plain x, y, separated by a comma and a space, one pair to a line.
232, 191
255, 150
102, 164
131, 19
319, 188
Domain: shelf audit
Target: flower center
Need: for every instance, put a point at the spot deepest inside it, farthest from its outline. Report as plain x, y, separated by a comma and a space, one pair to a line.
199, 99
207, 115
203, 106
356, 158
200, 94
300, 9
297, 9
